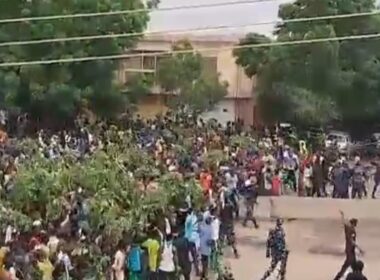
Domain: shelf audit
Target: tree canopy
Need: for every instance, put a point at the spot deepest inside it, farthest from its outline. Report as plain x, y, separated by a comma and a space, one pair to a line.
120, 187
318, 82
183, 74
137, 86
65, 87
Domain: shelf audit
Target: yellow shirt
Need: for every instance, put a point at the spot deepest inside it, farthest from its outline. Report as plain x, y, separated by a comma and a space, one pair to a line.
153, 248
47, 269
3, 253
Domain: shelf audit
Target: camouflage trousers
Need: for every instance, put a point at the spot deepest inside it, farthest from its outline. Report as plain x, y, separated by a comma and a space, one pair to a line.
276, 259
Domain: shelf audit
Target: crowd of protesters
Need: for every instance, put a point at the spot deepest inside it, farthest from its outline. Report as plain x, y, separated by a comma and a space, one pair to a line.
275, 166
161, 251
180, 240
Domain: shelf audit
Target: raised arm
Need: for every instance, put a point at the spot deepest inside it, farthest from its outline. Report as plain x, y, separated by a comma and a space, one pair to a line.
343, 219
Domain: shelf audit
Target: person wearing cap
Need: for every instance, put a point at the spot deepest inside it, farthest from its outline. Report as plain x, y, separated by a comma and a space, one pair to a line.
351, 245
277, 250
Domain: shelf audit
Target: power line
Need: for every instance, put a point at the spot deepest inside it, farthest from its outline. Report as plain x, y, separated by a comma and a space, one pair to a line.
173, 32
123, 56
123, 35
135, 11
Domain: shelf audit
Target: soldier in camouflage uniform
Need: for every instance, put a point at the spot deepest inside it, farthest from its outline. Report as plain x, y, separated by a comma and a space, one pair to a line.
276, 249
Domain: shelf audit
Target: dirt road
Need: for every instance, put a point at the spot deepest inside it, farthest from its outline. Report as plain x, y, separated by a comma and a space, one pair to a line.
316, 250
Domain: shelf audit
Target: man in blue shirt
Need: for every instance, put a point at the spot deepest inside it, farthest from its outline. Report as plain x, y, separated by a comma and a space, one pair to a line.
192, 236
134, 261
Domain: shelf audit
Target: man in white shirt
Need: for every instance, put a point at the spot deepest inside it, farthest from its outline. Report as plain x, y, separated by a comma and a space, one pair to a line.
167, 265
231, 180
215, 225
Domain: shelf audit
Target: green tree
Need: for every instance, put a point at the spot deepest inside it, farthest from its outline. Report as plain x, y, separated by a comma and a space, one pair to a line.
137, 86
183, 75
315, 83
59, 90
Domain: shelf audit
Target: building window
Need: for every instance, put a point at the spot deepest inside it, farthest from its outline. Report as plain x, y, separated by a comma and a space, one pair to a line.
128, 74
133, 63
149, 62
141, 63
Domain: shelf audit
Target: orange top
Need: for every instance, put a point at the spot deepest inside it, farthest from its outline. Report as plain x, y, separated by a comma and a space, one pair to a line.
205, 180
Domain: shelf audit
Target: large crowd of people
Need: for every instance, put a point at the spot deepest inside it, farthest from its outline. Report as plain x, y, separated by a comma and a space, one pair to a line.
183, 240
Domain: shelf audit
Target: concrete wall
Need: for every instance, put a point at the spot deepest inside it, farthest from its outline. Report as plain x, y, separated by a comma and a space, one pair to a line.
239, 85
317, 208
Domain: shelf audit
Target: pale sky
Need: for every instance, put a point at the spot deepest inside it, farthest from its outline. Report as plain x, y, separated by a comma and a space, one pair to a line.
232, 15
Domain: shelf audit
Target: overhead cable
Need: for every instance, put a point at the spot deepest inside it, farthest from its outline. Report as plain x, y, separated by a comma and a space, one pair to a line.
129, 12
200, 50
184, 31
